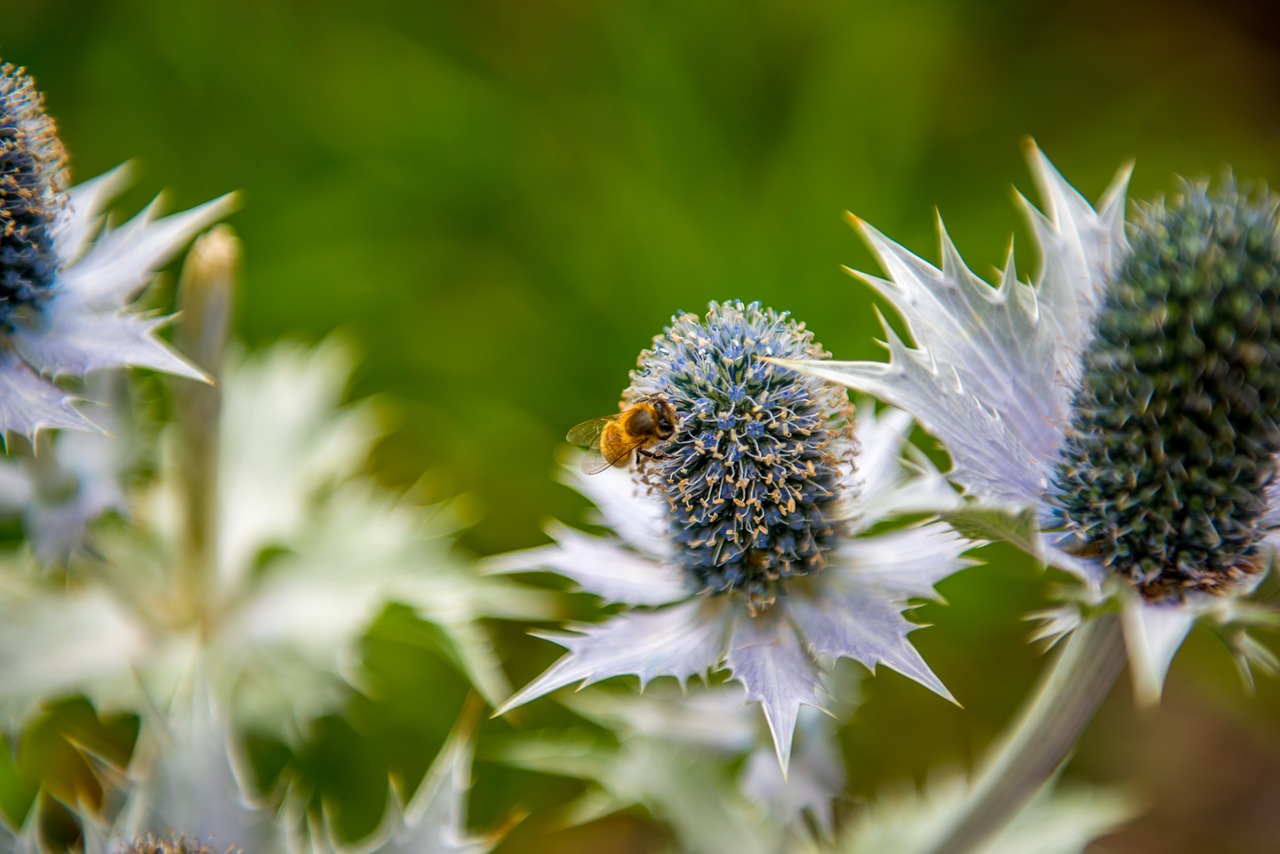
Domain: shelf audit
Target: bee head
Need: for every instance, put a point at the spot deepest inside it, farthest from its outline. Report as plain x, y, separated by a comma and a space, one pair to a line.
666, 416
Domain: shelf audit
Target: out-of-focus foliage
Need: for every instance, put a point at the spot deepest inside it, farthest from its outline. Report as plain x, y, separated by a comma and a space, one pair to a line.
501, 202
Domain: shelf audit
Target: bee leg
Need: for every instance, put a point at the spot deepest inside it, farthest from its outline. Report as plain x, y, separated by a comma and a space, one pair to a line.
651, 455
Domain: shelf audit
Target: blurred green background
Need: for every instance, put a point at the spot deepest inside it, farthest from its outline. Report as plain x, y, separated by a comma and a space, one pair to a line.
502, 202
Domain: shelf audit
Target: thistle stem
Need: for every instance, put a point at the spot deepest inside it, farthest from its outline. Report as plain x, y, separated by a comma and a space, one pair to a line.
1044, 735
205, 298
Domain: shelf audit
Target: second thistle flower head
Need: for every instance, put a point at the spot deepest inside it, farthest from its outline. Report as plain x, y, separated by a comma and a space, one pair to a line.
752, 476
1124, 402
1174, 433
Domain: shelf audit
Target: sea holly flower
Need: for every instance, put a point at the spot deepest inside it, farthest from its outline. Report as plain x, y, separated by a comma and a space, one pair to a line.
65, 278
746, 544
1116, 418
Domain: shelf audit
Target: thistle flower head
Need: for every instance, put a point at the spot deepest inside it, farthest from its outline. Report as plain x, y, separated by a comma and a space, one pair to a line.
752, 476
33, 177
172, 845
1115, 417
1173, 437
722, 536
64, 277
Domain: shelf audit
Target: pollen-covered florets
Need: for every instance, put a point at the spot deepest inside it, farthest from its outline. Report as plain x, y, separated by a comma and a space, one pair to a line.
32, 180
1172, 445
752, 475
174, 845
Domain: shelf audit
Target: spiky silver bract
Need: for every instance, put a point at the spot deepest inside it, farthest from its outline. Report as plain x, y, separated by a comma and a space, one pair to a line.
994, 373
680, 757
65, 277
1059, 819
184, 794
725, 552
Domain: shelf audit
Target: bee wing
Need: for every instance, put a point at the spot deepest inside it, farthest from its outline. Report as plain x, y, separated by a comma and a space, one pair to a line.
587, 434
597, 461
593, 462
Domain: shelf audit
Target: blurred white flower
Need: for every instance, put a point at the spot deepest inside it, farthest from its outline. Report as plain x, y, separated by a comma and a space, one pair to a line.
185, 783
308, 553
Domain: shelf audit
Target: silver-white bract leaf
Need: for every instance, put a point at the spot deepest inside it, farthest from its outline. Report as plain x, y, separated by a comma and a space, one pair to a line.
887, 487
187, 782
433, 822
768, 658
683, 641
82, 326
268, 478
905, 563
691, 794
1152, 635
814, 779
600, 567
625, 505
993, 369
1054, 822
58, 641
29, 404
357, 552
81, 217
95, 462
680, 778
713, 727
880, 436
122, 260
853, 622
715, 721
71, 341
66, 480
1271, 522
26, 839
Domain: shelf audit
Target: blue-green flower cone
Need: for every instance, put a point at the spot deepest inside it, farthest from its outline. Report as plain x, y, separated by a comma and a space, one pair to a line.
751, 476
1172, 443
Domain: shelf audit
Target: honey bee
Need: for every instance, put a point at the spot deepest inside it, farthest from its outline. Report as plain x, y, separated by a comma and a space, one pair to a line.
612, 438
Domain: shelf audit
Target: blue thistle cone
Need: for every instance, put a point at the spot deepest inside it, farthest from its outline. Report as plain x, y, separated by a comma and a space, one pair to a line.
33, 177
751, 475
1172, 444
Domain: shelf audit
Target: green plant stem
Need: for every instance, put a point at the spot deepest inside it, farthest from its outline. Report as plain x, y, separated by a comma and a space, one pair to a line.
205, 298
1043, 736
